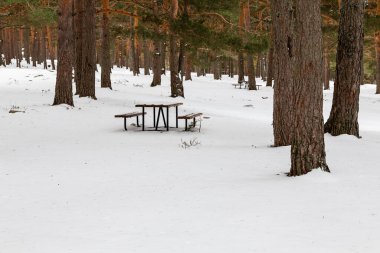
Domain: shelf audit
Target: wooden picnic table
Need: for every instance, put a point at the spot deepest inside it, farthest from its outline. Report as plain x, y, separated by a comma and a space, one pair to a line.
161, 113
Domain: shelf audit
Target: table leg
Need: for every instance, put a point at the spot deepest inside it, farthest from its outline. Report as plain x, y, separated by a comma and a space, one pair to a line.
158, 118
125, 124
154, 116
163, 116
167, 118
143, 118
176, 116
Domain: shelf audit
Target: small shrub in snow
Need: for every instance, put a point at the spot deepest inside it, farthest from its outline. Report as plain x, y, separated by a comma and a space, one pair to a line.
191, 143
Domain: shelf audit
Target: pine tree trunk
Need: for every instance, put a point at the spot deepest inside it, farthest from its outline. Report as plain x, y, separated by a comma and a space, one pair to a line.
283, 53
270, 66
35, 48
26, 44
188, 69
106, 47
2, 63
44, 47
251, 73
326, 71
258, 66
79, 41
89, 50
175, 82
50, 47
146, 58
345, 109
377, 48
241, 67
308, 147
163, 57
157, 72
63, 87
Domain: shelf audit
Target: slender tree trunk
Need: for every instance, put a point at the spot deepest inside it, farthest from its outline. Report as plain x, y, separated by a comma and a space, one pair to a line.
345, 109
27, 44
146, 58
163, 57
326, 71
377, 48
106, 47
270, 66
44, 47
241, 67
63, 87
308, 146
2, 63
283, 67
35, 47
89, 50
50, 47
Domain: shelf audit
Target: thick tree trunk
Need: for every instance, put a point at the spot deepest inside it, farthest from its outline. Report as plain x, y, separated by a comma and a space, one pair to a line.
251, 73
157, 72
89, 50
175, 82
283, 53
106, 47
79, 40
63, 87
345, 109
241, 67
188, 68
377, 48
308, 146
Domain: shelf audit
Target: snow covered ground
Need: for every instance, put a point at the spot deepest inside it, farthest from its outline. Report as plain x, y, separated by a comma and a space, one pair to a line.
72, 180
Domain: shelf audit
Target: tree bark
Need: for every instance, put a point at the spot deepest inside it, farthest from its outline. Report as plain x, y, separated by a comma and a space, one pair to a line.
326, 69
63, 87
283, 67
345, 109
377, 48
308, 146
241, 67
78, 30
157, 72
89, 50
270, 67
106, 47
175, 82
188, 68
146, 58
27, 44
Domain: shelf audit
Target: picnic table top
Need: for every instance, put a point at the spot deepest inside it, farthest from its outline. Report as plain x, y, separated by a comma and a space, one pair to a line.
159, 105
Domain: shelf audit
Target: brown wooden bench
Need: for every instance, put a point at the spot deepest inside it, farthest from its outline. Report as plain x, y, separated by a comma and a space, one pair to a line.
192, 116
130, 115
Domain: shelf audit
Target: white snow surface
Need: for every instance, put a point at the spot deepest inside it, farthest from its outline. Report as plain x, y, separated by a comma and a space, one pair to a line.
72, 180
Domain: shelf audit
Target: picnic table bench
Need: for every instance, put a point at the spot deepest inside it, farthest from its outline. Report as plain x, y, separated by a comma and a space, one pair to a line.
240, 85
192, 116
130, 115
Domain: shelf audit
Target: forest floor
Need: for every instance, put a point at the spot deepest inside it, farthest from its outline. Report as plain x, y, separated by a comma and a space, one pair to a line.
72, 180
